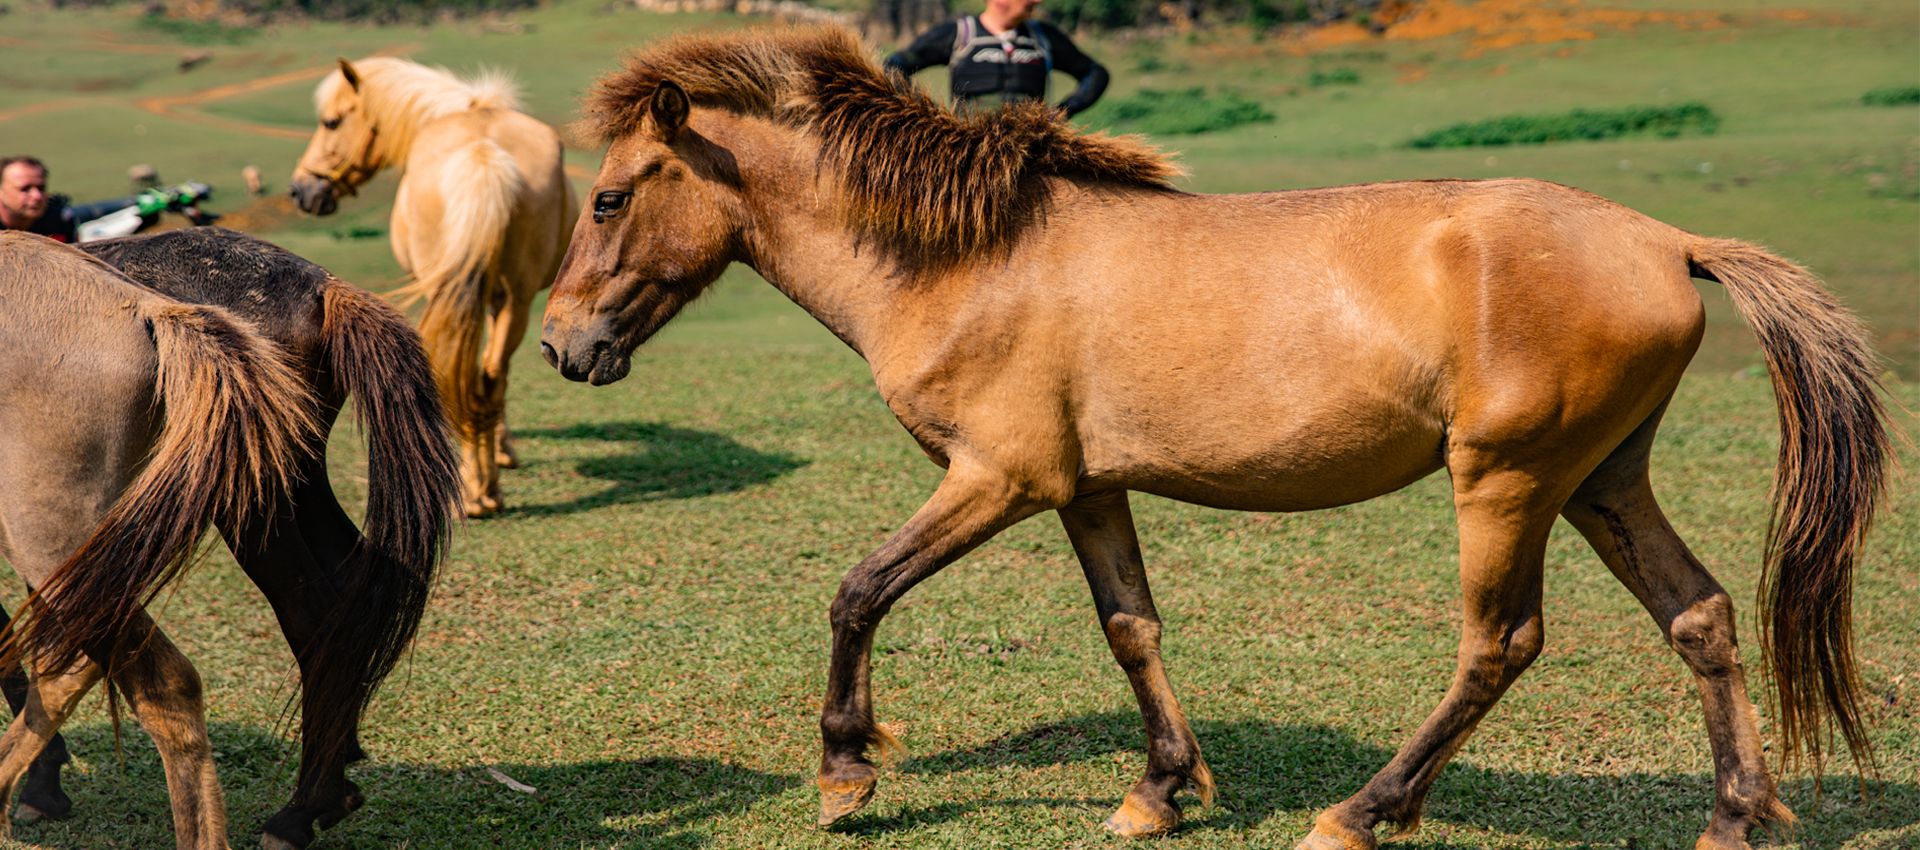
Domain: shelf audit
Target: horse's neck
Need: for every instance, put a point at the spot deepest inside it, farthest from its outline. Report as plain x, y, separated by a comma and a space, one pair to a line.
798, 239
398, 122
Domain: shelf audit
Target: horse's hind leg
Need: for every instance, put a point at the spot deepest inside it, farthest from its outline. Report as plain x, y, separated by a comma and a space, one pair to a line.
28, 745
291, 562
1616, 511
509, 326
1101, 528
1504, 517
41, 797
164, 692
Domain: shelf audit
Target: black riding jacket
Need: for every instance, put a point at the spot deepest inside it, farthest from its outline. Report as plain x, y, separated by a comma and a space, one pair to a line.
987, 69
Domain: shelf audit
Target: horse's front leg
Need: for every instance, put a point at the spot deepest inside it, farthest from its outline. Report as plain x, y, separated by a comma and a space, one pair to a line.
971, 505
1101, 528
41, 796
27, 744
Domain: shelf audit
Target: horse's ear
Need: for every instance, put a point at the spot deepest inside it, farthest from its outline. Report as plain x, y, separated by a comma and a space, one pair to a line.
669, 109
352, 77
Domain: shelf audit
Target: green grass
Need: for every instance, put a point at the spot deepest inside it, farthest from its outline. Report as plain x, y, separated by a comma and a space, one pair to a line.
643, 636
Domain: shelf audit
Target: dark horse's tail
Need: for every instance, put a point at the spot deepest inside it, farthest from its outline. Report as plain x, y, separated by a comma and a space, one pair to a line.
412, 484
236, 421
1831, 473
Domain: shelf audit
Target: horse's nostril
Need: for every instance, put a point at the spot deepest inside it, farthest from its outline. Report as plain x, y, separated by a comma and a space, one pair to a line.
547, 353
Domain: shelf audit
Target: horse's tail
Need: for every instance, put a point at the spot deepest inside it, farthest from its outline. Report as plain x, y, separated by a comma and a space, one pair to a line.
1833, 457
412, 485
482, 186
237, 422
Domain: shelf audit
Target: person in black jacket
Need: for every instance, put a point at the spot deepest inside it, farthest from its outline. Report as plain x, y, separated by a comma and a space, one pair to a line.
1002, 55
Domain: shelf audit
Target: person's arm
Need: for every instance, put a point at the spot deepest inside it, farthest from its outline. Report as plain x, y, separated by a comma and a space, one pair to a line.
933, 47
83, 213
1066, 57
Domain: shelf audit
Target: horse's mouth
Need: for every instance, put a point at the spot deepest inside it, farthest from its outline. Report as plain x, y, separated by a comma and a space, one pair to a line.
600, 367
313, 196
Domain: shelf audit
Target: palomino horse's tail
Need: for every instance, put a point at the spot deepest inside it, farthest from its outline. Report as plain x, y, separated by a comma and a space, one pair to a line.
238, 421
460, 283
412, 485
1831, 472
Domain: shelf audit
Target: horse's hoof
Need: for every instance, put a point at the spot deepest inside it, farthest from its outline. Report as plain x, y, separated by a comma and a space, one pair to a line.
842, 797
27, 815
1723, 839
1139, 819
506, 460
1338, 839
269, 841
479, 509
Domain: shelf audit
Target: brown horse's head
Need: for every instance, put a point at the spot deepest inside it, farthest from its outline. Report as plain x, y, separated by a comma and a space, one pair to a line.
340, 156
661, 223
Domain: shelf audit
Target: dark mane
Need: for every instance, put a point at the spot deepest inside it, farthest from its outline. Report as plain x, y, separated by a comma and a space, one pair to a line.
927, 185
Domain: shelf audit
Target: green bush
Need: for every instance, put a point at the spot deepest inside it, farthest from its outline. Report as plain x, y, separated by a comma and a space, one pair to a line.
1578, 125
1172, 113
1333, 77
1892, 96
198, 32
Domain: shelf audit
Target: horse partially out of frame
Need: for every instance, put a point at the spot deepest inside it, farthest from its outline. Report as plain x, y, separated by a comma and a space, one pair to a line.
238, 400
479, 220
1057, 326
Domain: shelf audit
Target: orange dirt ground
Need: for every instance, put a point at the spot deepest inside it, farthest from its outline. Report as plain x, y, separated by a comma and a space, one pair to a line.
1498, 24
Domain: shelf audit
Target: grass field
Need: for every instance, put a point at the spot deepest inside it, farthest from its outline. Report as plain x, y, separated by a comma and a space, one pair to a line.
642, 636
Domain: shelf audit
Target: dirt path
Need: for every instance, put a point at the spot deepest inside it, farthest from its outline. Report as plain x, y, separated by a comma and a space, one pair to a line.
182, 107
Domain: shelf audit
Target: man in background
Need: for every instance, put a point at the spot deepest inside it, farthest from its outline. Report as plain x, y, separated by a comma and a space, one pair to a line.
25, 204
1002, 56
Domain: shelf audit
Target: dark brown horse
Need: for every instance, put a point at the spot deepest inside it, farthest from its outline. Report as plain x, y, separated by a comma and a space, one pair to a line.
1057, 326
347, 603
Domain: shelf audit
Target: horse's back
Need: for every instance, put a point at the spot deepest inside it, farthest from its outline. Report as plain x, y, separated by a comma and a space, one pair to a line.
281, 293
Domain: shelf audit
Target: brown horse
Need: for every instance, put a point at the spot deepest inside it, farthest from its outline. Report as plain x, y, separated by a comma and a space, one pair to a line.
348, 603
1057, 326
478, 221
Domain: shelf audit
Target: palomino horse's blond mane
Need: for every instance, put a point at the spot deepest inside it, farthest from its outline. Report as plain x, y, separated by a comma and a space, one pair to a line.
400, 97
931, 187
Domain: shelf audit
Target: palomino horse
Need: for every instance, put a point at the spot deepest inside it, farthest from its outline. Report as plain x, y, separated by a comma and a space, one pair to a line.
1056, 326
348, 604
478, 221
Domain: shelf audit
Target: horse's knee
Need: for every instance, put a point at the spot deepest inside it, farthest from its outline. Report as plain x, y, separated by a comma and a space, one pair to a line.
1524, 644
856, 606
1703, 634
1135, 640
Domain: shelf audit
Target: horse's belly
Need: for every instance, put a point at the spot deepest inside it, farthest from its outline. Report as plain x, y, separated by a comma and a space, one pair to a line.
1269, 463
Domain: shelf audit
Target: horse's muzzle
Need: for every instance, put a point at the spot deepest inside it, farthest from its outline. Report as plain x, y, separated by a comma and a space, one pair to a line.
313, 195
596, 362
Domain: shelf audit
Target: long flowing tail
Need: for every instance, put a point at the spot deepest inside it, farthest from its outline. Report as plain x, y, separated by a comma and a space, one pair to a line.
482, 187
237, 419
1834, 452
412, 488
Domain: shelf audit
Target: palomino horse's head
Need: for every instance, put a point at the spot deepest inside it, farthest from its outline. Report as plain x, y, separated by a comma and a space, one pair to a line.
662, 221
340, 156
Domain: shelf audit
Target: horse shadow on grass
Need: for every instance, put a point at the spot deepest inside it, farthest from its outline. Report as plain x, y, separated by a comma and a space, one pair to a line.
667, 803
667, 462
1263, 768
672, 803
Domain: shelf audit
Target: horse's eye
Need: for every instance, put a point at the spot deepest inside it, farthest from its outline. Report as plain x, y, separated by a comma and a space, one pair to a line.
331, 123
608, 204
